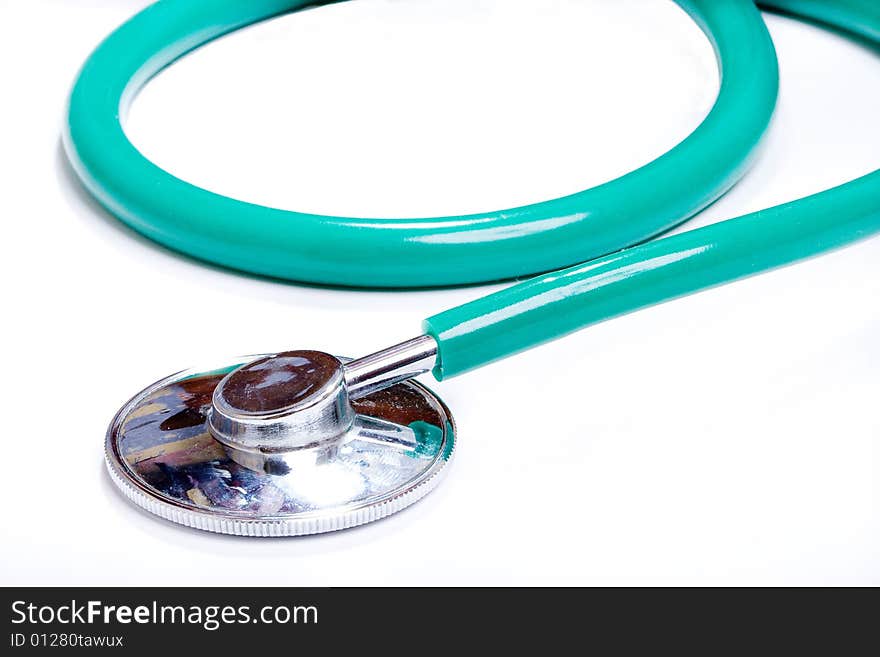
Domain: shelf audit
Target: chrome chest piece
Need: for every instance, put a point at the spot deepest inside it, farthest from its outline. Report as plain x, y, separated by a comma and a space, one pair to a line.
288, 444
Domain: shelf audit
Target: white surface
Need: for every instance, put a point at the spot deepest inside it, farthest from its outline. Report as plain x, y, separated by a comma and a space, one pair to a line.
728, 438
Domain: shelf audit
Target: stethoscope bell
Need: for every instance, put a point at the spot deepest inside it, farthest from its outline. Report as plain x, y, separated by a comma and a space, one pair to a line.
285, 445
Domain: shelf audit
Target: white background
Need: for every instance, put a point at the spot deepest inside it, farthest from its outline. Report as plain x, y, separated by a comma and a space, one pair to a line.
728, 438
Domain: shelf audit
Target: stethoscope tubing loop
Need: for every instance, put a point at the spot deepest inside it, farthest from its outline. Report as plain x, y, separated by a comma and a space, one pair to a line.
591, 242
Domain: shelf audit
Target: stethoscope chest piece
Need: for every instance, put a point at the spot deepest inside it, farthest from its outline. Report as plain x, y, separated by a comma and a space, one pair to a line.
278, 446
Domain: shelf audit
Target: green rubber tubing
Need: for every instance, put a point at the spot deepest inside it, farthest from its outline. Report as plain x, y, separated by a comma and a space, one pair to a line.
593, 227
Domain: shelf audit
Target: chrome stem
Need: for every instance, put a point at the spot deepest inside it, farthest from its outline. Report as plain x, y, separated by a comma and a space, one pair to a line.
389, 366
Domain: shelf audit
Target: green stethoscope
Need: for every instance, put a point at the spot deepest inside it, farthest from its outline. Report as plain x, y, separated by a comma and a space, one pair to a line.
302, 442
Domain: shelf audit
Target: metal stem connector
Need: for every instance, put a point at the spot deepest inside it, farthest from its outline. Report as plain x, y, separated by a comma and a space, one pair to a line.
389, 366
300, 400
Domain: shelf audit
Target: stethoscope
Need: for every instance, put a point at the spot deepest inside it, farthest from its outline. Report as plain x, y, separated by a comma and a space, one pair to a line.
304, 442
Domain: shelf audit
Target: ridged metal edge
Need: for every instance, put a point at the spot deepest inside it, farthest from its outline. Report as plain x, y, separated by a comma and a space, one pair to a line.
275, 526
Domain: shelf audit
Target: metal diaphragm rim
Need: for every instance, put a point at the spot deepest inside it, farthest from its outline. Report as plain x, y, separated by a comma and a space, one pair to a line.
317, 521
